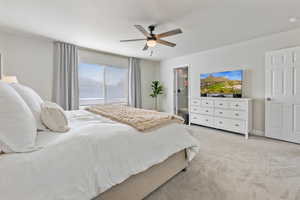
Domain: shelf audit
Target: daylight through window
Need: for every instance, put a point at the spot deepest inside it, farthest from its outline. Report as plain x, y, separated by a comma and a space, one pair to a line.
100, 84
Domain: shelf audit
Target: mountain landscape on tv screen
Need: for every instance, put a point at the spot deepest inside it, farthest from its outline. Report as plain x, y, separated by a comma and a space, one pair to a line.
222, 83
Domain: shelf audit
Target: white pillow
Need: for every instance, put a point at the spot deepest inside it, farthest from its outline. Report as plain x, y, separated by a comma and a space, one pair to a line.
33, 100
4, 148
54, 117
18, 127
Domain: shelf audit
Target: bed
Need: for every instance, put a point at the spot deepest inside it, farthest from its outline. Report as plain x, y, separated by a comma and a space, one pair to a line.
97, 159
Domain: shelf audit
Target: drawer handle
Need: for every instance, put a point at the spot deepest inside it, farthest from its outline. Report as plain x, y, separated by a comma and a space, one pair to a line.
220, 122
237, 114
237, 125
207, 120
206, 111
195, 109
221, 104
206, 103
236, 105
194, 117
220, 112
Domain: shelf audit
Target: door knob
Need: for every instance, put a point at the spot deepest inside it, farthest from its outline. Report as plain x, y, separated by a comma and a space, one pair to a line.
269, 99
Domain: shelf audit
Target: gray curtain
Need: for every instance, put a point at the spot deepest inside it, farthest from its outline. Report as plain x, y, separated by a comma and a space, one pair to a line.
134, 86
65, 88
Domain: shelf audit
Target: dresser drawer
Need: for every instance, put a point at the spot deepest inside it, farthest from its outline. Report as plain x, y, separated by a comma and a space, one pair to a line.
238, 105
230, 124
221, 104
204, 120
221, 113
221, 123
207, 103
202, 110
195, 109
230, 113
194, 118
195, 102
206, 110
237, 126
239, 114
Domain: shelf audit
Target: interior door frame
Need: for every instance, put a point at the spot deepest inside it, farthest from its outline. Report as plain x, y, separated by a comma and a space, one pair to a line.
188, 66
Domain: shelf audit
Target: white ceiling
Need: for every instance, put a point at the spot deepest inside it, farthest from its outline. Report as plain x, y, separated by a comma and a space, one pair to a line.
100, 24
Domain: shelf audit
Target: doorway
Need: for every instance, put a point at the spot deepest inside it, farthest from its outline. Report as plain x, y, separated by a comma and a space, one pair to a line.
181, 92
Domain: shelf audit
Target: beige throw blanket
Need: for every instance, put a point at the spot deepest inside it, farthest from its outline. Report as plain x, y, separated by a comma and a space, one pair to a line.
142, 120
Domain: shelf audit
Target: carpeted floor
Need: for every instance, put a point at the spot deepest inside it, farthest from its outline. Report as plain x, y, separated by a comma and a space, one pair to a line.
229, 167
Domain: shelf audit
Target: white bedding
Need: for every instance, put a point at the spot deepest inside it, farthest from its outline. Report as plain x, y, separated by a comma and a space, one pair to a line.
93, 156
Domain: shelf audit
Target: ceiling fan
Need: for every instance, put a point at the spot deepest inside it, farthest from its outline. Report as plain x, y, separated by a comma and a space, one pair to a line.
152, 39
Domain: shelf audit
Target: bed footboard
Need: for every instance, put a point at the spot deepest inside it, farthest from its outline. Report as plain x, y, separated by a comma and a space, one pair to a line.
139, 186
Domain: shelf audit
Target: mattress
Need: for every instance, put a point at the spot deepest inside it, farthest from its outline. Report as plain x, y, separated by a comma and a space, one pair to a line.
92, 157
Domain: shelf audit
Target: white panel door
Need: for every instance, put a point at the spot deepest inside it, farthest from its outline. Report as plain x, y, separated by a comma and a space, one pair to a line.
283, 94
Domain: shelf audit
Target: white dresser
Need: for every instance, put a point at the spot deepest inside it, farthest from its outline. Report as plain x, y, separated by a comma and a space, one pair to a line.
231, 114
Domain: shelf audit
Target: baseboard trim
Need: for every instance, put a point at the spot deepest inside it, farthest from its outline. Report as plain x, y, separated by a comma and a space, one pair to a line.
258, 132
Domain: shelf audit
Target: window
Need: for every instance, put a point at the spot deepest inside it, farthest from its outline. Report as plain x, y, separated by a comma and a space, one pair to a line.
116, 84
99, 84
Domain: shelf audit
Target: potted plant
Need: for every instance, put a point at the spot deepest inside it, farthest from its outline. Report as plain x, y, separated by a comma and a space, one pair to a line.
157, 89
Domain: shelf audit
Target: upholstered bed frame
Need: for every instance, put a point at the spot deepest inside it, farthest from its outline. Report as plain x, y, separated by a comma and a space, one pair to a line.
140, 185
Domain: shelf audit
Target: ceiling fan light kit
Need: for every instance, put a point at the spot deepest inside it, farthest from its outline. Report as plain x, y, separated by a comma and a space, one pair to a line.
151, 43
153, 39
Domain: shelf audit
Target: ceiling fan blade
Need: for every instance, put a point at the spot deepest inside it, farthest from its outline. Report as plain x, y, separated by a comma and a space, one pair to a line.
133, 40
145, 47
164, 42
169, 33
142, 30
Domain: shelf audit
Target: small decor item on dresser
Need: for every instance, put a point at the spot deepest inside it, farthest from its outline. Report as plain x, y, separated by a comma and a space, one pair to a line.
157, 89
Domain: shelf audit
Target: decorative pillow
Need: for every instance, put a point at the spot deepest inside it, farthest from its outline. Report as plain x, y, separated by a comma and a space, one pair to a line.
54, 117
18, 127
33, 100
4, 148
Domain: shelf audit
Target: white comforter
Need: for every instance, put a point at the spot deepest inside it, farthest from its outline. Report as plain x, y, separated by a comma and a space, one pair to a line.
93, 156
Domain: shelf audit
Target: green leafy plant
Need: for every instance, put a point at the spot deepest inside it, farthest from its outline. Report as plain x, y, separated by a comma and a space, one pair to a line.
157, 89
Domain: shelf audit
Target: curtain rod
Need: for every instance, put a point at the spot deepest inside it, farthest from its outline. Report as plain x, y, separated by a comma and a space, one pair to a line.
103, 52
94, 50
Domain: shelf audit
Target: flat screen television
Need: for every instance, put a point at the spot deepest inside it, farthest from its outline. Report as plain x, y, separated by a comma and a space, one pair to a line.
222, 84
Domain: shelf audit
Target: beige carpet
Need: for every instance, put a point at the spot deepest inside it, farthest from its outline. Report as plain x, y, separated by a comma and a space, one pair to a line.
229, 167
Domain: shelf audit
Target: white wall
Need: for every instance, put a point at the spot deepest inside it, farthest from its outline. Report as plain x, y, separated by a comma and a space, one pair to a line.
30, 58
248, 55
90, 56
149, 72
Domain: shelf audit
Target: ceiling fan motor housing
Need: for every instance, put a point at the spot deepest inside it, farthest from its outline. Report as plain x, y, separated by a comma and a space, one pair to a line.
152, 35
151, 28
